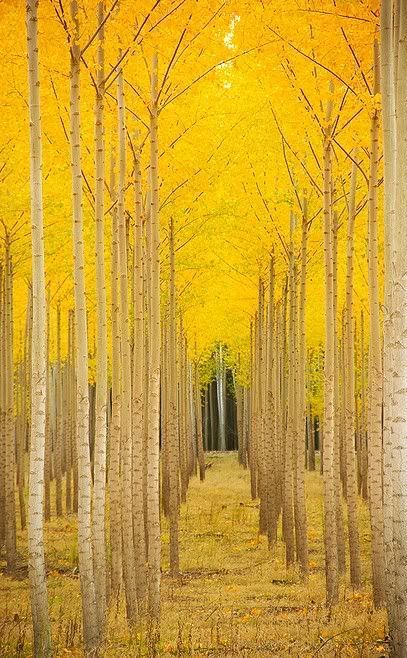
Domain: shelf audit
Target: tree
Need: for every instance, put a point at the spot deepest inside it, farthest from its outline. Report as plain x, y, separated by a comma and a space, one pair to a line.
99, 497
153, 444
331, 555
129, 567
90, 624
39, 599
349, 393
375, 385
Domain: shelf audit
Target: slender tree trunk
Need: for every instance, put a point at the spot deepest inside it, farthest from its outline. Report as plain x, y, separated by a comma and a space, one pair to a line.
90, 625
398, 617
302, 539
271, 451
253, 428
183, 414
290, 430
331, 554
153, 448
69, 416
115, 432
199, 429
363, 443
36, 562
340, 533
139, 400
375, 388
221, 400
129, 567
99, 496
10, 470
349, 395
172, 437
58, 422
388, 45
48, 437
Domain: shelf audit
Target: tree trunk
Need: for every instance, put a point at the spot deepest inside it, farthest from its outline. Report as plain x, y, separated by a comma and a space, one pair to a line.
36, 561
153, 439
302, 539
90, 625
58, 421
340, 533
173, 411
115, 515
129, 566
290, 433
349, 396
375, 388
99, 459
331, 548
139, 399
388, 46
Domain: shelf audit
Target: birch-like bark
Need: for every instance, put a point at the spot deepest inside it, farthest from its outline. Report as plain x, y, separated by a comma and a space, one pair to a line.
129, 566
199, 427
58, 421
387, 75
221, 400
172, 400
138, 392
69, 416
375, 388
183, 430
271, 450
36, 553
363, 414
260, 408
153, 443
340, 533
302, 539
48, 431
290, 429
99, 496
399, 313
115, 515
331, 548
90, 625
349, 394
10, 470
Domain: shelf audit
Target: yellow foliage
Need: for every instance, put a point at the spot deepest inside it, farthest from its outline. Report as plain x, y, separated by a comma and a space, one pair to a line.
243, 78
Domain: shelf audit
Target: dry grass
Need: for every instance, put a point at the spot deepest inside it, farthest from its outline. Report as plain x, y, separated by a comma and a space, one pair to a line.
234, 598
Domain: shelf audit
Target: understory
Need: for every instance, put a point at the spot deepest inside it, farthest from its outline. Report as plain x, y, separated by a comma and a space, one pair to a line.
234, 596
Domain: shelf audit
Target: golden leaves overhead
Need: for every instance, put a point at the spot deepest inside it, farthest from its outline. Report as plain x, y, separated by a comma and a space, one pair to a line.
244, 88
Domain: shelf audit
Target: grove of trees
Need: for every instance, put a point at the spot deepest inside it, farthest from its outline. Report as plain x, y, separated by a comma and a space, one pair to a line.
203, 249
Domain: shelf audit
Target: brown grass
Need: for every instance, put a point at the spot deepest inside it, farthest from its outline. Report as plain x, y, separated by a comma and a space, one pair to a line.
234, 598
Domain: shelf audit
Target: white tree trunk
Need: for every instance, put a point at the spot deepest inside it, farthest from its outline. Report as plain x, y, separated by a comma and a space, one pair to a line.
90, 625
36, 561
153, 443
375, 388
99, 497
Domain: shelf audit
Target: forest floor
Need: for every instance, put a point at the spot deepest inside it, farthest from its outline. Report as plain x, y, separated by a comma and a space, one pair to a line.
234, 597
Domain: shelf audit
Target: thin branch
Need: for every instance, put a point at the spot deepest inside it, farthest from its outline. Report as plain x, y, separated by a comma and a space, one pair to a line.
100, 27
212, 68
312, 59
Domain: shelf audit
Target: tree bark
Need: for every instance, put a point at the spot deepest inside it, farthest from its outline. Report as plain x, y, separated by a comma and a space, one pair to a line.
36, 553
90, 625
375, 388
349, 395
153, 446
331, 547
99, 496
